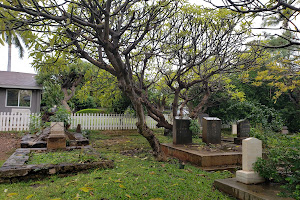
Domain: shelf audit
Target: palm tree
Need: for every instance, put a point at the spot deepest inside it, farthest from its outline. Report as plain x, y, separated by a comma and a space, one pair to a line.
12, 37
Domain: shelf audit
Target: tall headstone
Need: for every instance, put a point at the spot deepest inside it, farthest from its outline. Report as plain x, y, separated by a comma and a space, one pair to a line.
181, 131
243, 131
57, 137
211, 132
252, 149
234, 129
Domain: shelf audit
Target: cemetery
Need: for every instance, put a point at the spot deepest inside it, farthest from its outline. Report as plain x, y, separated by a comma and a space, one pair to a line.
154, 100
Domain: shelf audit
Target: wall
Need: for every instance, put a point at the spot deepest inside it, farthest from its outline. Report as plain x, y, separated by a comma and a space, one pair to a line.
35, 101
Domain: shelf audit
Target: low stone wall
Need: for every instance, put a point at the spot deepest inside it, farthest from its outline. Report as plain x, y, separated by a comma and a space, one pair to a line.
15, 168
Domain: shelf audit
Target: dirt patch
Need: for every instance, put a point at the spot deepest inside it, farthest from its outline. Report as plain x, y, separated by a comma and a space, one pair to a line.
8, 143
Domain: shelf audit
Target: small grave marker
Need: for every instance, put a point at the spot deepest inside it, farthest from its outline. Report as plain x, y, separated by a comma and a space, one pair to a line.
57, 137
243, 131
252, 149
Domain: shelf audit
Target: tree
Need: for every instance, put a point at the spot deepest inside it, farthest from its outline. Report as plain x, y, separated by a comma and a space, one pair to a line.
105, 33
122, 37
66, 77
282, 10
202, 49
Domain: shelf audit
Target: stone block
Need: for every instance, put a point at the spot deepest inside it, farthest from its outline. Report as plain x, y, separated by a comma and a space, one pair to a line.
211, 132
181, 131
56, 143
285, 130
252, 149
249, 177
234, 129
243, 128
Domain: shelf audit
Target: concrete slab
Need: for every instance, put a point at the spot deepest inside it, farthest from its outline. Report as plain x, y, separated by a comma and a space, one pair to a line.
263, 191
212, 160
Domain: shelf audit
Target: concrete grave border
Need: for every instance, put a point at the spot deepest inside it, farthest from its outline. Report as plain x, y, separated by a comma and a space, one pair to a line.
15, 168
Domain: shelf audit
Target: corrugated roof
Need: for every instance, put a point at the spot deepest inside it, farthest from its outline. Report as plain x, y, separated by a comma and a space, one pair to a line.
18, 80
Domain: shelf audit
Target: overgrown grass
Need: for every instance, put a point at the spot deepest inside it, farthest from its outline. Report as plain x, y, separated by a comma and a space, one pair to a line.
135, 176
74, 156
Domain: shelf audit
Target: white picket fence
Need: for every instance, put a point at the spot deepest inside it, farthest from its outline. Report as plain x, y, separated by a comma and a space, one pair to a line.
20, 122
16, 121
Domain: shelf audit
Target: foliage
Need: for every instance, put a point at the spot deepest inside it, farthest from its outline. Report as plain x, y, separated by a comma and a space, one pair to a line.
61, 115
35, 124
282, 163
119, 105
194, 127
81, 104
257, 113
74, 156
90, 111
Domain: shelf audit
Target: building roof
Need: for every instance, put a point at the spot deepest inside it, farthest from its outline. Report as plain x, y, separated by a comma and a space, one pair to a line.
18, 80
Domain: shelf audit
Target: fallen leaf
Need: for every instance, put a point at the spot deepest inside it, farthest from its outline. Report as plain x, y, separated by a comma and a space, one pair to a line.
12, 194
121, 186
152, 173
86, 189
174, 184
157, 199
118, 181
127, 195
181, 179
29, 196
56, 199
77, 196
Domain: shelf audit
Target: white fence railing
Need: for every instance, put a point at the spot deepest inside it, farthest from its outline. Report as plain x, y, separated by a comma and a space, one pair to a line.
16, 121
20, 122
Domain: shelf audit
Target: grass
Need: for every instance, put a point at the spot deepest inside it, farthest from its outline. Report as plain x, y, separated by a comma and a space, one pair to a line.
136, 175
74, 156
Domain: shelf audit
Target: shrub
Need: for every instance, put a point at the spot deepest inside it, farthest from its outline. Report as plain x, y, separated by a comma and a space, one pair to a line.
194, 127
35, 124
282, 163
90, 110
61, 115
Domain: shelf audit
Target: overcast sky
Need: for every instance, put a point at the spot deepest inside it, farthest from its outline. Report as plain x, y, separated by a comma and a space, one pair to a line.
23, 65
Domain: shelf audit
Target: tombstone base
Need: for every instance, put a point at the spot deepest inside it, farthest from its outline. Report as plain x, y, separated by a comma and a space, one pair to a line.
56, 143
249, 177
239, 140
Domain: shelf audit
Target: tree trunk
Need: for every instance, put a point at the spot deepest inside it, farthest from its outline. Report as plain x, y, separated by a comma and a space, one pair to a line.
9, 57
142, 127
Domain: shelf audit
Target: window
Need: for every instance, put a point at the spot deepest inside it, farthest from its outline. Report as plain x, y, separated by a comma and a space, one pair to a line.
18, 98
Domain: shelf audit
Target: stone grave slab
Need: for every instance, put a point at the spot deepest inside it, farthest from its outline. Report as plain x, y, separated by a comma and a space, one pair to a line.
243, 131
181, 132
211, 133
57, 137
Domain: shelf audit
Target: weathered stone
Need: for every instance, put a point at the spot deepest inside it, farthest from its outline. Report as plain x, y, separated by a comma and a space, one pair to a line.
243, 128
57, 137
234, 129
78, 129
211, 132
56, 143
252, 149
181, 132
285, 130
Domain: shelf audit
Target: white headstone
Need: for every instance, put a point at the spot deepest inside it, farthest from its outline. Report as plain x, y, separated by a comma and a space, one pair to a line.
252, 149
234, 129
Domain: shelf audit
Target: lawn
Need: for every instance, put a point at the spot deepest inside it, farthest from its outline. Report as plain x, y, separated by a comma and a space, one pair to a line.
136, 175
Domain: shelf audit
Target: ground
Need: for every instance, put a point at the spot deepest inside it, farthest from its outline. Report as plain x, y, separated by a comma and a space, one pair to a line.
8, 143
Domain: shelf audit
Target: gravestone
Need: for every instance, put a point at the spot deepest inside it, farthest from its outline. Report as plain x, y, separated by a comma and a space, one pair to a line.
211, 132
181, 131
252, 149
285, 130
57, 137
243, 131
234, 129
200, 118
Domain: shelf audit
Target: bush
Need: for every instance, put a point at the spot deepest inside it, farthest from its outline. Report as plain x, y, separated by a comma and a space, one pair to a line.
282, 163
90, 110
61, 115
194, 127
